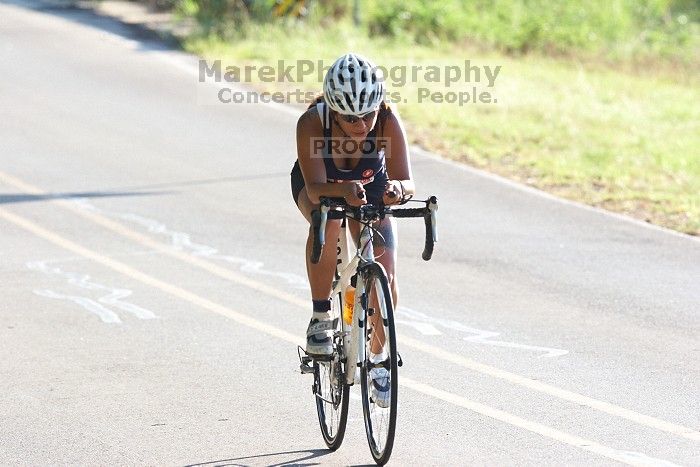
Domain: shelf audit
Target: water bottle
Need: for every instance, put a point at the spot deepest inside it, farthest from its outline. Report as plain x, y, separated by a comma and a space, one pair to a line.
349, 304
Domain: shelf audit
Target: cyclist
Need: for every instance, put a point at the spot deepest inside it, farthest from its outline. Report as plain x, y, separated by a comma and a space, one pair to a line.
351, 145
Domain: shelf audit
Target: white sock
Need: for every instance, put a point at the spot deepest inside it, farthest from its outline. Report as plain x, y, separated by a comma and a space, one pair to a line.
377, 358
321, 315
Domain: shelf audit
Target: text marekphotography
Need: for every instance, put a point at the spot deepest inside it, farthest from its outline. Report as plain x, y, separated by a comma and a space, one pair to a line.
434, 83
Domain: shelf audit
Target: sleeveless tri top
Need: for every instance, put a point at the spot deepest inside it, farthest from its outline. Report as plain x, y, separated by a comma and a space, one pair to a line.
371, 169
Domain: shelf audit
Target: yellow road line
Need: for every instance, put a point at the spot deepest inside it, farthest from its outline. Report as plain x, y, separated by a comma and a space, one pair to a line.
168, 250
170, 289
436, 352
242, 318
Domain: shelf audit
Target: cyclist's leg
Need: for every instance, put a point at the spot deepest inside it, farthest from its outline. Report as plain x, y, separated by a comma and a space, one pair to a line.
385, 247
320, 274
331, 392
319, 334
385, 242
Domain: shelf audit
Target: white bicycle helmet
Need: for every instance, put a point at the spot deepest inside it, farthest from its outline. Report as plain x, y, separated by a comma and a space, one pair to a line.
353, 85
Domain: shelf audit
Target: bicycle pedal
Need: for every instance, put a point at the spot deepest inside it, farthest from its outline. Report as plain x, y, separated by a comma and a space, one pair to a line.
304, 361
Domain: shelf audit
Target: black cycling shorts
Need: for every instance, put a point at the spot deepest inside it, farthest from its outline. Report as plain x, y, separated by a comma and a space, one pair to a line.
297, 182
375, 190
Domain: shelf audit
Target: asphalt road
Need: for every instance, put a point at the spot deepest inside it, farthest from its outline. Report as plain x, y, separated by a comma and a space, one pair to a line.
153, 287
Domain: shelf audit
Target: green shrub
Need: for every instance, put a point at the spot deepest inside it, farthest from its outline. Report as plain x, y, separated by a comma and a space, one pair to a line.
219, 18
618, 28
551, 26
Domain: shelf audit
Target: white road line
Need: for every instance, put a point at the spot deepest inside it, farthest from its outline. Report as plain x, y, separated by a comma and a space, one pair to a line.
513, 378
580, 399
242, 318
626, 457
548, 196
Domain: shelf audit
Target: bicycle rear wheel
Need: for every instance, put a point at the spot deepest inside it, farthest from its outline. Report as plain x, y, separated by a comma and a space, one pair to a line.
330, 389
379, 375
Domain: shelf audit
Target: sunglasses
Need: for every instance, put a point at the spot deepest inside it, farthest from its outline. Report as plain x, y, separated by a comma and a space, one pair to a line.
367, 118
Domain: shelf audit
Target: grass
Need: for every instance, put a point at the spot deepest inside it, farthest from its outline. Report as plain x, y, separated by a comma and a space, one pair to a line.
624, 141
627, 27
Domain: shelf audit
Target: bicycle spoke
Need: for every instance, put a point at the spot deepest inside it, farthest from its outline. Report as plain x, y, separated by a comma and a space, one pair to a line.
379, 370
332, 394
373, 335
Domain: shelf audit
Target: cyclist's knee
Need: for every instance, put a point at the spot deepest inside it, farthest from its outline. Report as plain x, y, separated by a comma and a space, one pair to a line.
391, 278
305, 205
386, 258
393, 286
332, 230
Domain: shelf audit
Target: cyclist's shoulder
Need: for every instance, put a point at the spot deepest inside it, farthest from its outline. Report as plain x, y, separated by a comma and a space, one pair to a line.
309, 122
390, 119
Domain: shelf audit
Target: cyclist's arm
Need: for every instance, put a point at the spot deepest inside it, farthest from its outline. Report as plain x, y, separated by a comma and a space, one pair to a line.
309, 129
398, 163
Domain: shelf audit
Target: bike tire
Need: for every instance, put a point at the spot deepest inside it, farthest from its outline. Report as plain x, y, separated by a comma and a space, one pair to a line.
331, 391
380, 421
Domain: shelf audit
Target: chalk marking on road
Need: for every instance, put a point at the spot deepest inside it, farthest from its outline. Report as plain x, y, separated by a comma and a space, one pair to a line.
419, 321
183, 241
480, 337
427, 329
244, 319
105, 314
114, 298
168, 250
436, 352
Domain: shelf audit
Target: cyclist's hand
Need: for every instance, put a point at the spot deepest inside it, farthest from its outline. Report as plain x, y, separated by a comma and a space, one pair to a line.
356, 194
392, 192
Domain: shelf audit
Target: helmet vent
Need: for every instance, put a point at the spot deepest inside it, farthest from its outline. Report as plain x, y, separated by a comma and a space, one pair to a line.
353, 86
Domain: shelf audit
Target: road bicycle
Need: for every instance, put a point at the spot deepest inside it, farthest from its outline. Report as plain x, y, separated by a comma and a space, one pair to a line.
368, 344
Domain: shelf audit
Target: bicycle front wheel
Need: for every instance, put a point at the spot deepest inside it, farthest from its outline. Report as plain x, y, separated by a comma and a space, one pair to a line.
379, 375
331, 391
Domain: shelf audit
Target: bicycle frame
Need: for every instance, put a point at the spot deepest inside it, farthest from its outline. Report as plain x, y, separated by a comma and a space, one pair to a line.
331, 379
347, 267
